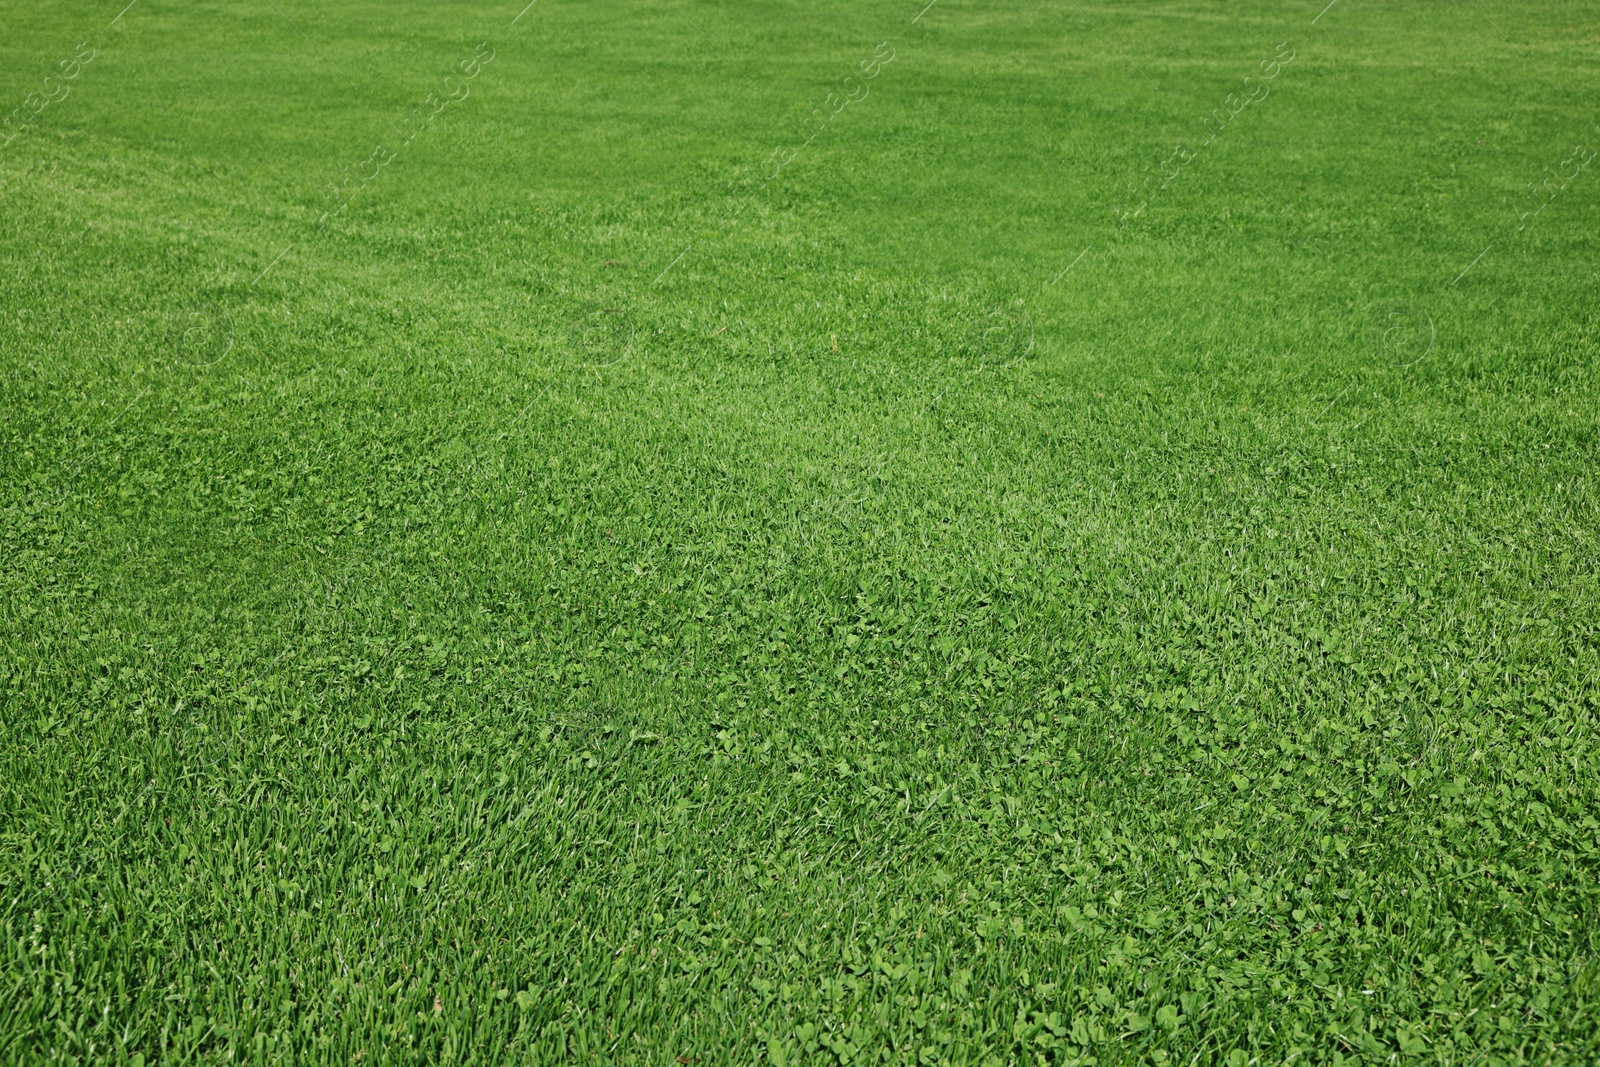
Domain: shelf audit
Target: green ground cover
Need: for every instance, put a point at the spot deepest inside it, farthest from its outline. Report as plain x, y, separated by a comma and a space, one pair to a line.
799, 533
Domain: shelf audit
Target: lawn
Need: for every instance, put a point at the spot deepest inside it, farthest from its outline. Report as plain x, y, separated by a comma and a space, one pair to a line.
699, 533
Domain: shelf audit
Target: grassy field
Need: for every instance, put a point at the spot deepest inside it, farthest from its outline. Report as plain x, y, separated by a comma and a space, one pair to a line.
817, 533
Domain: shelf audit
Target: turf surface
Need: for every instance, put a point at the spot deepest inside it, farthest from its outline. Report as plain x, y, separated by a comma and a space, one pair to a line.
799, 533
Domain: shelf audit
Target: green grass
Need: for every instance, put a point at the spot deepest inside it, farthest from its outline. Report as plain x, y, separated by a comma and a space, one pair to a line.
593, 600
